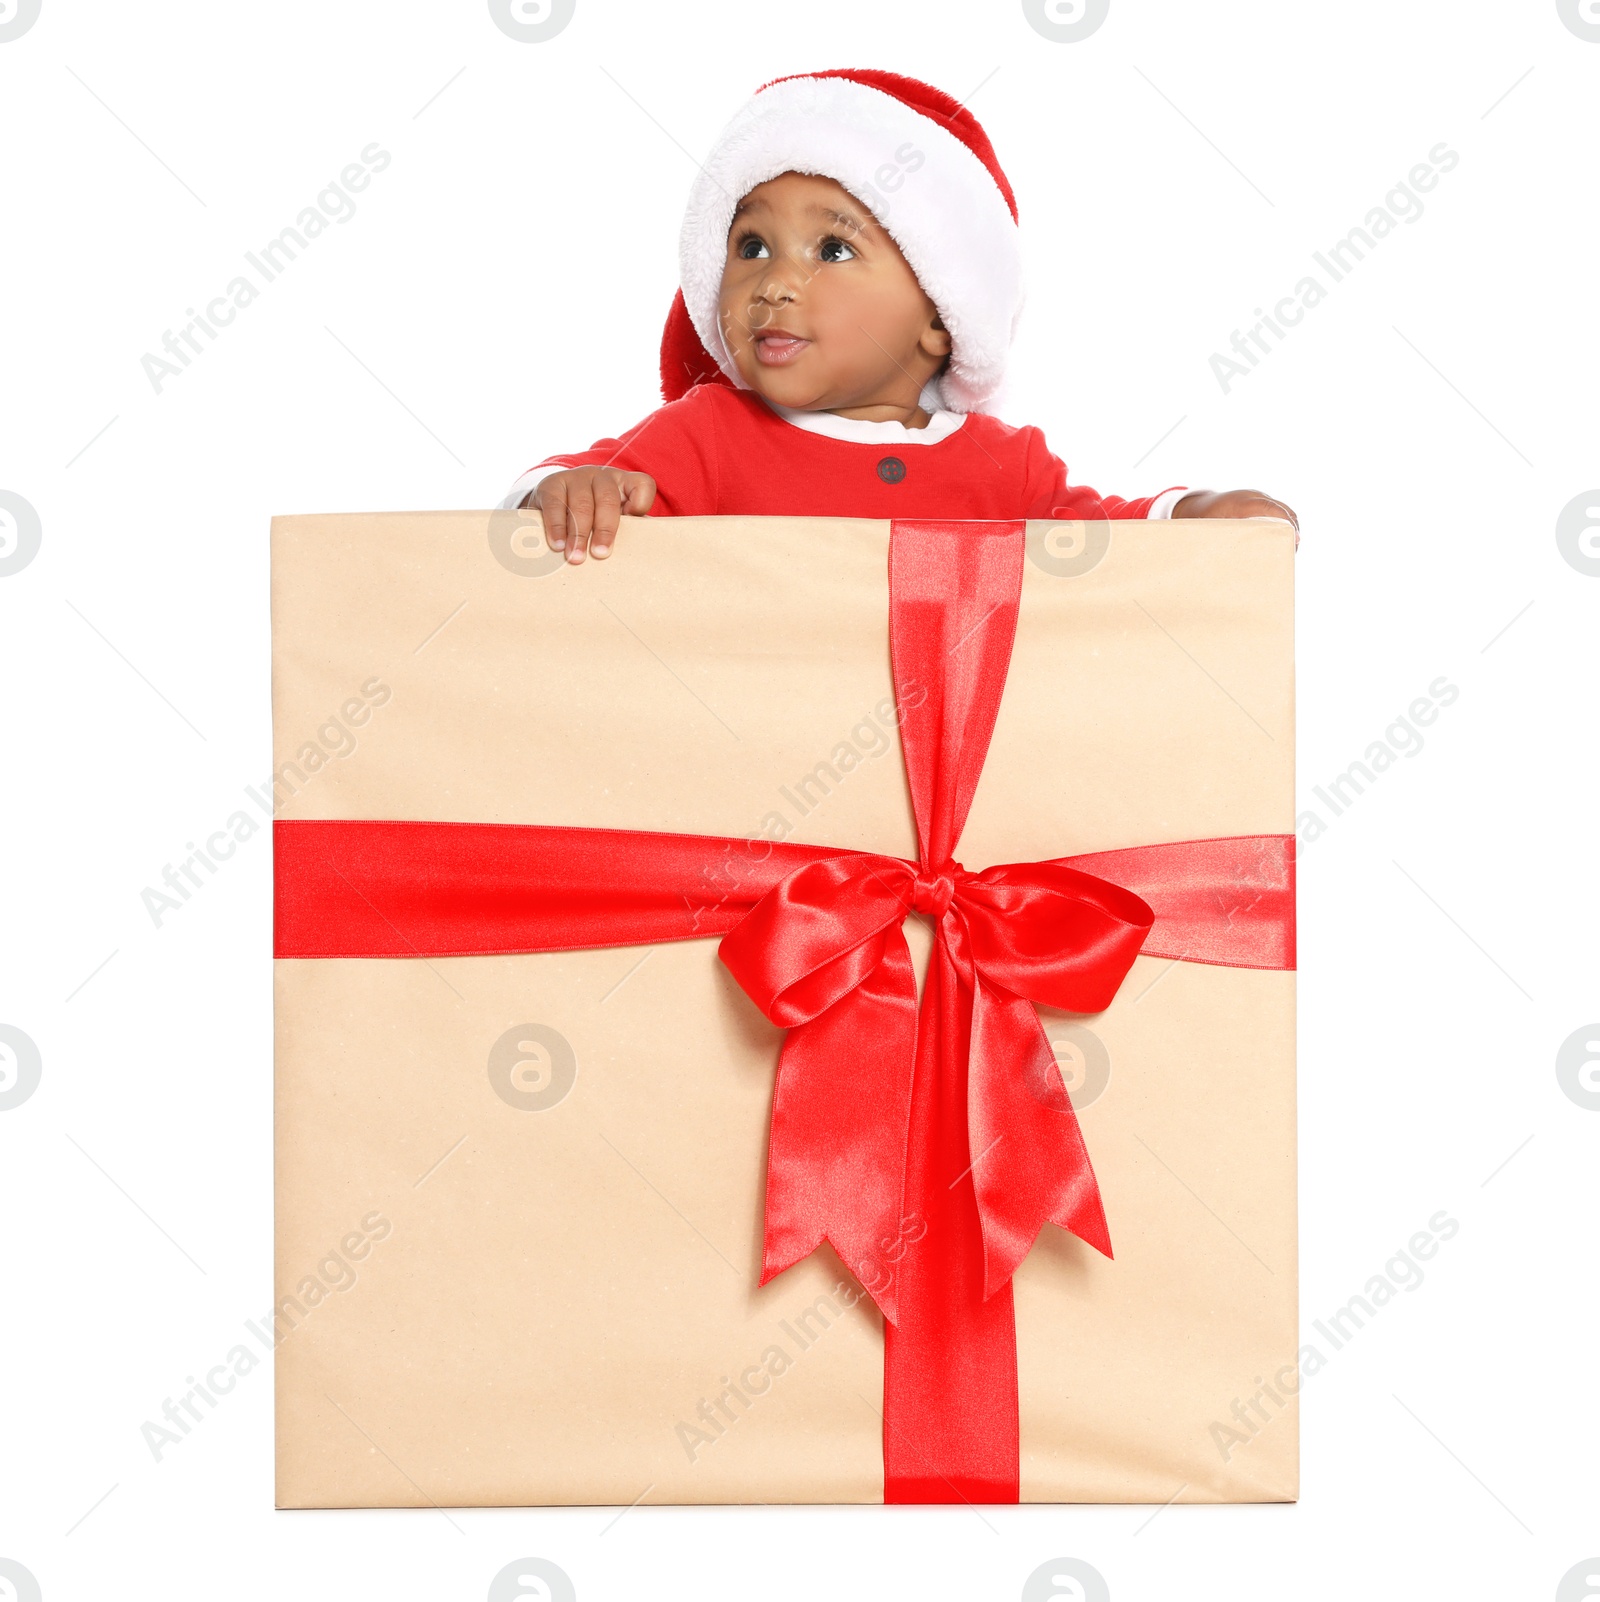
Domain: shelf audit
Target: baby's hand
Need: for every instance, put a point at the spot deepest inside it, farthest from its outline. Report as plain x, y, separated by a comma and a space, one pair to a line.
1236, 503
582, 506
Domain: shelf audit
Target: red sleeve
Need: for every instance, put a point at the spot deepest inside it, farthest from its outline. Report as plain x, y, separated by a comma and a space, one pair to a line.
1050, 495
676, 445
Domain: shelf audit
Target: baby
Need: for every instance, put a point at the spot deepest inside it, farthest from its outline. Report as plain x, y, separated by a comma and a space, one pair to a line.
851, 284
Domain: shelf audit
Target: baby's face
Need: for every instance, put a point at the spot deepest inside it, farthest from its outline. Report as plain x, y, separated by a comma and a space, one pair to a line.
806, 259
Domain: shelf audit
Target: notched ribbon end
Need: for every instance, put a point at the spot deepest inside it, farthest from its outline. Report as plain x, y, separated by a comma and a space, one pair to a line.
884, 1298
998, 1272
1085, 1217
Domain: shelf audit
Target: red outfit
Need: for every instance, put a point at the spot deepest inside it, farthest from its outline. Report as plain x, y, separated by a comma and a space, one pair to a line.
722, 451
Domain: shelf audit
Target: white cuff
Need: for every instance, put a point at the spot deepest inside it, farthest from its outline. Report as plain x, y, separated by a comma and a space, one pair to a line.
513, 497
1163, 505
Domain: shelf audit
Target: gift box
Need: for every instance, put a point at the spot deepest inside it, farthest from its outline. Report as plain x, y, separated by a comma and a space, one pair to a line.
799, 1012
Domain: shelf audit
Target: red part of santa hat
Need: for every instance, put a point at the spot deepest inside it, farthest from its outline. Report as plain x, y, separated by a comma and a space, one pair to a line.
919, 160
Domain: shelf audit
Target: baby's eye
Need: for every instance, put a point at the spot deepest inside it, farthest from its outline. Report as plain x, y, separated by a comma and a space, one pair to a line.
829, 244
742, 247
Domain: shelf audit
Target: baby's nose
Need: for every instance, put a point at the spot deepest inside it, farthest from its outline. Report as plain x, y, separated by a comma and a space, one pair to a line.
779, 286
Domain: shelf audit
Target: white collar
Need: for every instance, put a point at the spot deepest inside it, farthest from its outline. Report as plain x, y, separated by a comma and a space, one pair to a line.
862, 431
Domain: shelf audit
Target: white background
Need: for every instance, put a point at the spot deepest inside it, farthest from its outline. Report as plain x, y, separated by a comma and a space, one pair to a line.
498, 296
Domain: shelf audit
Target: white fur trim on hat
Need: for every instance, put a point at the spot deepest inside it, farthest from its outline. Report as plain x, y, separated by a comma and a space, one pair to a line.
946, 214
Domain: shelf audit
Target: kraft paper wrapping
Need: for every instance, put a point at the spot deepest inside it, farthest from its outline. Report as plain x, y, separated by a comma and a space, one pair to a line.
527, 1273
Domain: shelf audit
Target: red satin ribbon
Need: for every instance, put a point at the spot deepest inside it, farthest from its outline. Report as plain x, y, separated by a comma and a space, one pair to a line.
928, 1152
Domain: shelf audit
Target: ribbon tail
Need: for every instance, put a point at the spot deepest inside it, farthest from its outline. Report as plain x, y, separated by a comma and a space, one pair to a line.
841, 1112
1035, 1167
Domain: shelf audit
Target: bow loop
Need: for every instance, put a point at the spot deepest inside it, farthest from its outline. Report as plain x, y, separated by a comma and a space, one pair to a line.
1052, 934
817, 934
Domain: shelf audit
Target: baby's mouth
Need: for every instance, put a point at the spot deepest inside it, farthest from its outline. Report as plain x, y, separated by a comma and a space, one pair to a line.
774, 350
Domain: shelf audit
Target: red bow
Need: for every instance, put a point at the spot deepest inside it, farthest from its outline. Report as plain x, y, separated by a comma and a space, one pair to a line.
822, 954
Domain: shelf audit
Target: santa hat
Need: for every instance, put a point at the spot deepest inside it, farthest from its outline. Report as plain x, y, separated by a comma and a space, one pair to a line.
920, 161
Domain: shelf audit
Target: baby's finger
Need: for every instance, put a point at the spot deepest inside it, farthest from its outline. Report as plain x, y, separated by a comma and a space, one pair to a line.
607, 512
641, 494
1259, 505
580, 509
552, 502
1289, 512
